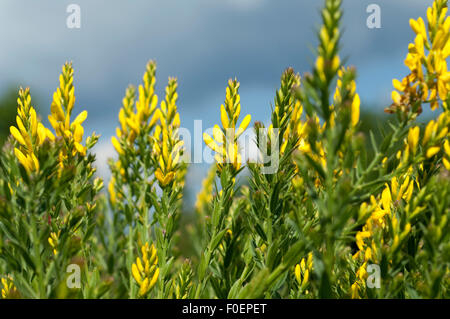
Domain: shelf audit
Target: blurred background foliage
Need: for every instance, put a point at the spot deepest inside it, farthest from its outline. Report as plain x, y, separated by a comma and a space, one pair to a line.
8, 106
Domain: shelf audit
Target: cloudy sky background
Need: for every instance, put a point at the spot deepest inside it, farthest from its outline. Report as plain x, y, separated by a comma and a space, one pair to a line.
202, 42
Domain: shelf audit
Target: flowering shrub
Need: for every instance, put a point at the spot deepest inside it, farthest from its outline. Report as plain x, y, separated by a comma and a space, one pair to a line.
332, 220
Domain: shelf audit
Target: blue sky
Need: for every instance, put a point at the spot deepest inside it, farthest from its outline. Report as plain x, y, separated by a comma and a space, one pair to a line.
202, 42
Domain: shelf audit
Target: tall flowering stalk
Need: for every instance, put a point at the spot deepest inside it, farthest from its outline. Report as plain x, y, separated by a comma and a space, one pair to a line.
44, 212
170, 171
133, 173
225, 139
229, 163
149, 157
61, 111
30, 133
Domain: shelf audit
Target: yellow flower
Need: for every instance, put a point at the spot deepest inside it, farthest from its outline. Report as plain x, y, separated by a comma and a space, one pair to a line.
432, 151
224, 141
168, 147
355, 291
9, 291
53, 241
116, 145
353, 96
355, 109
145, 271
29, 133
413, 139
428, 54
360, 238
137, 118
112, 191
61, 111
302, 271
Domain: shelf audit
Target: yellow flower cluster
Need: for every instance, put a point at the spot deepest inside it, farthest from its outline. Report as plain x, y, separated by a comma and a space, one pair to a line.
133, 119
429, 78
379, 211
29, 133
435, 137
303, 270
435, 132
225, 142
61, 111
9, 291
304, 145
353, 97
168, 148
53, 241
205, 195
146, 271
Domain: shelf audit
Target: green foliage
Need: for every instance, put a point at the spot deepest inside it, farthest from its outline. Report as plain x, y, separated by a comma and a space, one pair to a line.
336, 209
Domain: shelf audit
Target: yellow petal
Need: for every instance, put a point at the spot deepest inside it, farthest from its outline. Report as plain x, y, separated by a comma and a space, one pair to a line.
144, 287
244, 125
224, 117
49, 134
447, 147
413, 138
355, 110
298, 274
136, 274
396, 97
446, 164
80, 148
433, 151
78, 134
117, 145
22, 159
16, 134
154, 279
80, 119
211, 143
386, 199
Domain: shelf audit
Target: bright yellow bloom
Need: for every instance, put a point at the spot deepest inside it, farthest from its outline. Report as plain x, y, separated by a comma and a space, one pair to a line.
146, 271
353, 97
432, 151
413, 139
224, 141
168, 147
429, 79
53, 241
134, 115
61, 111
9, 291
302, 271
355, 291
29, 133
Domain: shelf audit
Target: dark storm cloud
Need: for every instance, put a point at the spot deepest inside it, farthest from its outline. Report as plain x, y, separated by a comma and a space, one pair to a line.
202, 42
